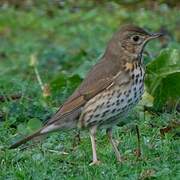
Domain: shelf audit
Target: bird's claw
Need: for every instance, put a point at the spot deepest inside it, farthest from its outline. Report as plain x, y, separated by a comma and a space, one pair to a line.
96, 162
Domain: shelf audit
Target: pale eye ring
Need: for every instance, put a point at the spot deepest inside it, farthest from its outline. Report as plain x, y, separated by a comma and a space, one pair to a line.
136, 38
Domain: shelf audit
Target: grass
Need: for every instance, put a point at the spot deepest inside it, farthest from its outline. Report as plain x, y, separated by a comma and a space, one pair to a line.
65, 46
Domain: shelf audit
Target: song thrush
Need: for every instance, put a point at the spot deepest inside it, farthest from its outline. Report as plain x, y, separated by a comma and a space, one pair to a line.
111, 88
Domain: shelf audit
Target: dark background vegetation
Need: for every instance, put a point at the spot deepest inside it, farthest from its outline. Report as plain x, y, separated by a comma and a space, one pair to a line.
58, 42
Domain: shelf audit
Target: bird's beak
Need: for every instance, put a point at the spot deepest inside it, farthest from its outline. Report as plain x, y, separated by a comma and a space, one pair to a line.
152, 36
155, 35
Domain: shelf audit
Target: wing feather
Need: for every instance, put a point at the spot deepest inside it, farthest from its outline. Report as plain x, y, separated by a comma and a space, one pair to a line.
99, 78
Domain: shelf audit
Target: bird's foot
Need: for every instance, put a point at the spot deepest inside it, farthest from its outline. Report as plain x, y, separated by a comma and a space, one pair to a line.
120, 160
95, 162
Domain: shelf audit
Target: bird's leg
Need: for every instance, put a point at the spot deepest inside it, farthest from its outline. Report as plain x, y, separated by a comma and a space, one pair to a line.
138, 152
114, 145
93, 142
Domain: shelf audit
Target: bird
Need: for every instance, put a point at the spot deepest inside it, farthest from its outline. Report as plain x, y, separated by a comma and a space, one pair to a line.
112, 87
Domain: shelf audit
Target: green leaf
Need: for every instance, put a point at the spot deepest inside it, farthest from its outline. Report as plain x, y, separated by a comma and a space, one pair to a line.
73, 82
34, 124
167, 91
59, 81
163, 76
147, 100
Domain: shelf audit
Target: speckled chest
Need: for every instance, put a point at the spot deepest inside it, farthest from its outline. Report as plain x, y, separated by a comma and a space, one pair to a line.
106, 108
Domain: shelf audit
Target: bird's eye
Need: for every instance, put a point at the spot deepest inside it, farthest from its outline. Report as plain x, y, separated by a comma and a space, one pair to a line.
135, 38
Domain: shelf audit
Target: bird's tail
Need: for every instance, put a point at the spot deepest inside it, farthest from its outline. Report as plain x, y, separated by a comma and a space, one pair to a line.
66, 121
44, 130
23, 141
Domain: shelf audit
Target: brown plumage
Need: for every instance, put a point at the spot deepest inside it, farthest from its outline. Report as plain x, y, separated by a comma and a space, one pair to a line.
110, 89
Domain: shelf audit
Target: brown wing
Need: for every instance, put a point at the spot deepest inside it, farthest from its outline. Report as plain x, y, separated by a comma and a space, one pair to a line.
99, 78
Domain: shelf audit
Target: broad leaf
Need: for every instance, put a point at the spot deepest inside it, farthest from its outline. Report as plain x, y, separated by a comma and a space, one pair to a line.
34, 124
163, 78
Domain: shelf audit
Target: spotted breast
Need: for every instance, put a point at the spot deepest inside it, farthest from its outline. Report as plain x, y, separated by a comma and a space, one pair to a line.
105, 109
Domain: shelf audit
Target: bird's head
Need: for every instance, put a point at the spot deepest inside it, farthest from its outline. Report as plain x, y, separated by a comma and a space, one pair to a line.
132, 40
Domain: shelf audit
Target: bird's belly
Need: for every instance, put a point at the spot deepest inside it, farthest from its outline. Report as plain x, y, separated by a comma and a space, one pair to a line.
106, 108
